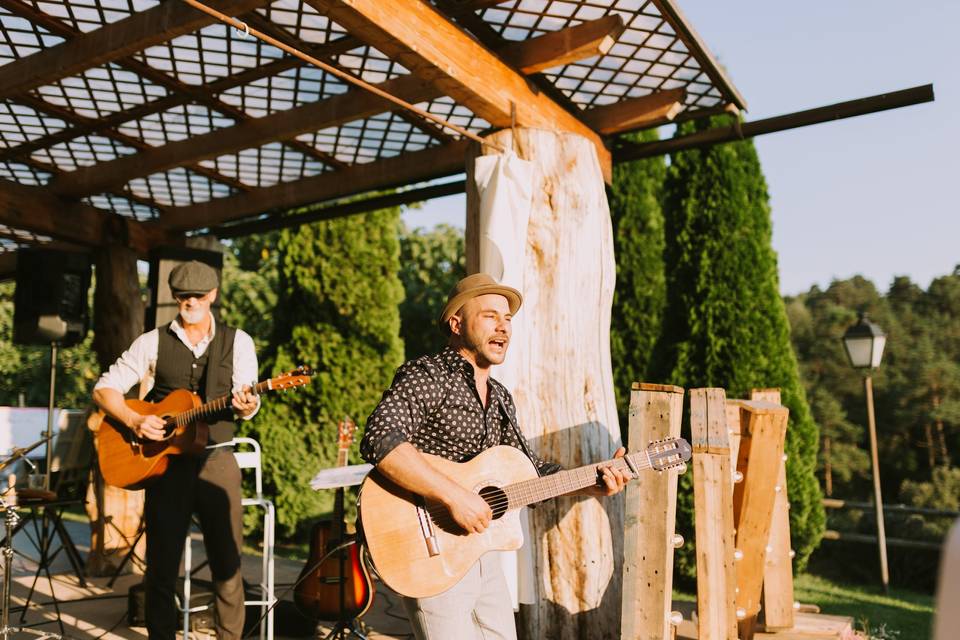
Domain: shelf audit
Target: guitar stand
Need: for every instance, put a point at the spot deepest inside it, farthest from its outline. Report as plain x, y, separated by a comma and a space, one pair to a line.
345, 629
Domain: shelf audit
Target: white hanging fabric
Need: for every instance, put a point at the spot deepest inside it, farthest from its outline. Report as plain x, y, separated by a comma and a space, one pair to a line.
505, 187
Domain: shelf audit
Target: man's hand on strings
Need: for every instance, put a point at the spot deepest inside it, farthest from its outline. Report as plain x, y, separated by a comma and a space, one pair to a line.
610, 480
149, 427
244, 402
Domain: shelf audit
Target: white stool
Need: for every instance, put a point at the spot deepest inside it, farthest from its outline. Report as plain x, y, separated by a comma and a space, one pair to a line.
249, 458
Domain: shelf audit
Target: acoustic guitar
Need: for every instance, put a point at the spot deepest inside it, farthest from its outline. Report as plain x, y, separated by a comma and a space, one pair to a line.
419, 551
340, 588
130, 462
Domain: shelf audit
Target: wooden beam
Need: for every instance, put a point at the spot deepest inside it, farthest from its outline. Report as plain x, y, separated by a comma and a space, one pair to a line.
111, 42
587, 39
339, 210
419, 166
423, 40
282, 125
695, 45
37, 210
862, 106
634, 113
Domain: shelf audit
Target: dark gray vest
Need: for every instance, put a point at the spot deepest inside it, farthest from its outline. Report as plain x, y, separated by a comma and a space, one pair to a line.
209, 376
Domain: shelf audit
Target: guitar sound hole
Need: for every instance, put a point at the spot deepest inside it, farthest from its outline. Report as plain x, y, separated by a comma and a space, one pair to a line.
169, 427
496, 498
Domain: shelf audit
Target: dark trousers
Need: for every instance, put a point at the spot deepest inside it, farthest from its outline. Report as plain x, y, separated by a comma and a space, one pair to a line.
210, 487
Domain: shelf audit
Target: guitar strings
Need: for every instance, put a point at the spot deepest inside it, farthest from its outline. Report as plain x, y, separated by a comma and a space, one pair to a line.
441, 515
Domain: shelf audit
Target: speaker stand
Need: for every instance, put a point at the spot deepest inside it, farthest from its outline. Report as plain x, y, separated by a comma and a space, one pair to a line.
54, 345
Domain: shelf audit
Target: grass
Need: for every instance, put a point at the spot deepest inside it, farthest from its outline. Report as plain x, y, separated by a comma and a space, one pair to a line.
907, 612
902, 615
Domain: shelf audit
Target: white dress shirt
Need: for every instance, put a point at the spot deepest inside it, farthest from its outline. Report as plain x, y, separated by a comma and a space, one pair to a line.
139, 362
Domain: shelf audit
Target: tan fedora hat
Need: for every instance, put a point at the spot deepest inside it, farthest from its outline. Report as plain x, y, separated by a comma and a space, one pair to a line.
477, 285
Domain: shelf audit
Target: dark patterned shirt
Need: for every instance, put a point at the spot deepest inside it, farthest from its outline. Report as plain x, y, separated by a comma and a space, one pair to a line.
433, 404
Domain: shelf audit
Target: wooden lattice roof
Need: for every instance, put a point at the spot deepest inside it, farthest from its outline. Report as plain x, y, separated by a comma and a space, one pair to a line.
138, 120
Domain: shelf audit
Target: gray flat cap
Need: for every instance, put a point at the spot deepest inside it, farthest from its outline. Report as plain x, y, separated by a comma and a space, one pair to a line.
193, 277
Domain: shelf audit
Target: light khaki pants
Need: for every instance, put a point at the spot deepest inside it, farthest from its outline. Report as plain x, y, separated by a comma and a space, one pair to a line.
476, 608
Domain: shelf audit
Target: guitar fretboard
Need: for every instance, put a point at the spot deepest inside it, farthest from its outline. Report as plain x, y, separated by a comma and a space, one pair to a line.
214, 406
520, 494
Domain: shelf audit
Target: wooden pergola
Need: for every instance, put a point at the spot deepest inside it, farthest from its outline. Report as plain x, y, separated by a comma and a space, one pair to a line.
137, 120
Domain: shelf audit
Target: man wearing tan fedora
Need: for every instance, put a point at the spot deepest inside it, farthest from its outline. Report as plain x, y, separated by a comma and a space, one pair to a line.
448, 405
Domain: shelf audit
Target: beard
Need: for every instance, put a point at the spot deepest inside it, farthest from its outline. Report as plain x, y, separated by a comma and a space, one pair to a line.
192, 317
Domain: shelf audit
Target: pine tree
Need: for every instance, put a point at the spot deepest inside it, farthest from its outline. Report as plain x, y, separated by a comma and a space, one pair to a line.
639, 296
337, 311
725, 324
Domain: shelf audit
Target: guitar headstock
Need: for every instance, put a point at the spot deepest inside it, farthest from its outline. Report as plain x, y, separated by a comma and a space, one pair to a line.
668, 453
345, 432
296, 378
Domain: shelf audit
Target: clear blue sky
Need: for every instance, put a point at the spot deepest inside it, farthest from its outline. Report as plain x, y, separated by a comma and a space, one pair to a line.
874, 195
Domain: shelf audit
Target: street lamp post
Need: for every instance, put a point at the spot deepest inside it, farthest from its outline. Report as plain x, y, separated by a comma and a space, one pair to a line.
864, 344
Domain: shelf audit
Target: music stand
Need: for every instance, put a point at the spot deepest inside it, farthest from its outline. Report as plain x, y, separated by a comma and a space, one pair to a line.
338, 478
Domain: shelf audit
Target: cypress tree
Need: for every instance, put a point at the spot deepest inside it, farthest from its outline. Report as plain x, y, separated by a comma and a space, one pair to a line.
337, 311
725, 324
639, 297
432, 261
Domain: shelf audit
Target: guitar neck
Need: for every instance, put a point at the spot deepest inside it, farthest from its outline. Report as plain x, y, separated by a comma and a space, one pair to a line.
214, 406
521, 494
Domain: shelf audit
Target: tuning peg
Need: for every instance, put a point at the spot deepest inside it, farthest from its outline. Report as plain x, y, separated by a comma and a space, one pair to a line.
737, 555
676, 618
677, 541
741, 613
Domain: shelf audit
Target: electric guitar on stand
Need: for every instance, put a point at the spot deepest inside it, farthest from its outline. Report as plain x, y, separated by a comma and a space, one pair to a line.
129, 462
340, 587
417, 548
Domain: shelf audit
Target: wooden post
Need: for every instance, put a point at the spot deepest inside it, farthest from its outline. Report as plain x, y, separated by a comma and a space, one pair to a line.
778, 572
117, 319
650, 517
560, 373
713, 515
763, 426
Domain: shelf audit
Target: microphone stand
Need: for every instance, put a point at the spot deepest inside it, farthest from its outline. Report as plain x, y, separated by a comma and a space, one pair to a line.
10, 521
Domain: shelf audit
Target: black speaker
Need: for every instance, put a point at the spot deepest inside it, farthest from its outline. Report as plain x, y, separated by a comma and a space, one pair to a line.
162, 308
50, 301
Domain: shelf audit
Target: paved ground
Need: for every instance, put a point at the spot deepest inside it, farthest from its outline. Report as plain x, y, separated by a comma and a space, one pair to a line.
96, 611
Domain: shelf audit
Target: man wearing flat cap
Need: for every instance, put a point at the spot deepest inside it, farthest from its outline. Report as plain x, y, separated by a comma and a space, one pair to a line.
448, 405
213, 360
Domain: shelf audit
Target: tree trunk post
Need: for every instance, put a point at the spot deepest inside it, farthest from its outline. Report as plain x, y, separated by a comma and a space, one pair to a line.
559, 371
117, 319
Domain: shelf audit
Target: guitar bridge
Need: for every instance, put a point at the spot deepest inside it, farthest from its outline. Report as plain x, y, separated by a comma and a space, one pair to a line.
427, 530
